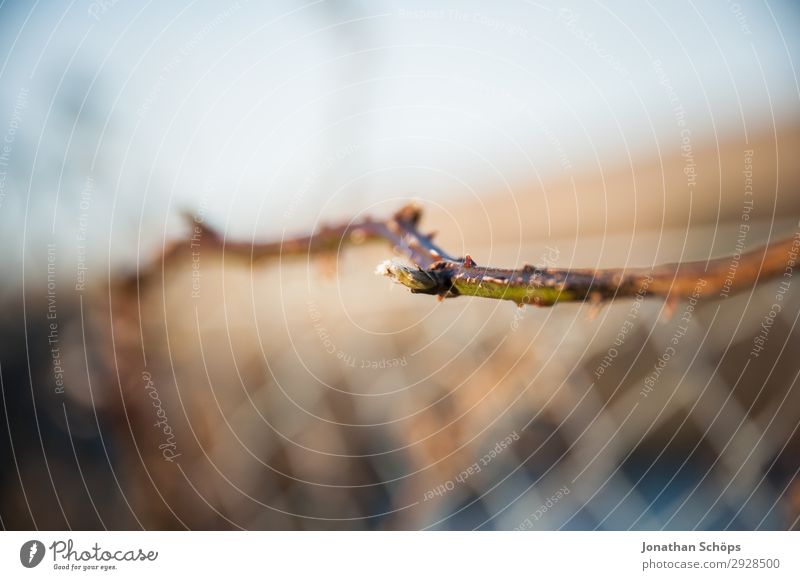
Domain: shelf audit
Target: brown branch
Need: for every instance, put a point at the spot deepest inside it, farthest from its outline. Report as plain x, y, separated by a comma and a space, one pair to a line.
546, 286
400, 230
435, 272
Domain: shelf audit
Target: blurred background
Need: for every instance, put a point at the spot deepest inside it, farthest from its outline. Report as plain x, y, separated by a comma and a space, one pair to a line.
148, 384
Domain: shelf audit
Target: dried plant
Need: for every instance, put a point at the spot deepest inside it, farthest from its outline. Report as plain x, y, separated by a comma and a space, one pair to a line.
435, 272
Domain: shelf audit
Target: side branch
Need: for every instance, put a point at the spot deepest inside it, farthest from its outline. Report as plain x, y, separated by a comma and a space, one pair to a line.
400, 230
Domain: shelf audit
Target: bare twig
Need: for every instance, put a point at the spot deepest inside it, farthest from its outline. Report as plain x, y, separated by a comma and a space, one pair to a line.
546, 286
400, 230
435, 272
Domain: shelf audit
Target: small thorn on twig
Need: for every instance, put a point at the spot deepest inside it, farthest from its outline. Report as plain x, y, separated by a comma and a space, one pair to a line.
469, 262
329, 265
669, 308
409, 214
358, 236
198, 226
595, 305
